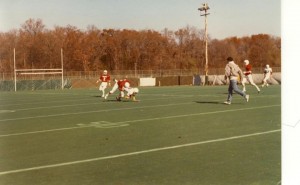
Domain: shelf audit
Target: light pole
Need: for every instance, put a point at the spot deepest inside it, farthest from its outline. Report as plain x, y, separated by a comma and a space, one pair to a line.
205, 8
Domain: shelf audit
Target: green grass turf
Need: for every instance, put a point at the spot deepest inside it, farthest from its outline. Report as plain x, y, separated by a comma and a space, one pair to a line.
65, 128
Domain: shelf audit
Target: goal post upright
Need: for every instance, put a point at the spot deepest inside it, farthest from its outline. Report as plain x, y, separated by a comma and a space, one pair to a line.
62, 68
53, 71
15, 72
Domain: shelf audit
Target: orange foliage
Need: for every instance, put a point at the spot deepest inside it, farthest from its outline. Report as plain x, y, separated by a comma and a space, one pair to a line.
95, 49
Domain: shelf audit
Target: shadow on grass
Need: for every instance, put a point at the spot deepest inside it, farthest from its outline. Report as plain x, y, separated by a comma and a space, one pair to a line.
97, 96
214, 102
122, 101
210, 102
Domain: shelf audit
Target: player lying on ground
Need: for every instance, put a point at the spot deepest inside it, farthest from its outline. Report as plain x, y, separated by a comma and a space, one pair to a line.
131, 93
123, 86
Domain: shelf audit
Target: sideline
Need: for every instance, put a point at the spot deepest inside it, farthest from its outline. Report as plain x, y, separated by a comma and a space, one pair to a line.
95, 111
136, 153
70, 105
198, 114
140, 120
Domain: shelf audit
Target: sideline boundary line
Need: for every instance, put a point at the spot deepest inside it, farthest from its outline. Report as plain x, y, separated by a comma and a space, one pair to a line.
197, 114
77, 100
94, 111
140, 120
136, 153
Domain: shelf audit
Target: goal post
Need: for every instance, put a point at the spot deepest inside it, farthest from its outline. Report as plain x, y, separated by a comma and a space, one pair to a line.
34, 72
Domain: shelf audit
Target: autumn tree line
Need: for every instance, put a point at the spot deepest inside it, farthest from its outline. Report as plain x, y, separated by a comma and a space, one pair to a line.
115, 49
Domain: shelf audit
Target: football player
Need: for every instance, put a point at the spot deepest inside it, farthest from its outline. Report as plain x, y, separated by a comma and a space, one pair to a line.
131, 93
248, 76
121, 85
105, 80
267, 75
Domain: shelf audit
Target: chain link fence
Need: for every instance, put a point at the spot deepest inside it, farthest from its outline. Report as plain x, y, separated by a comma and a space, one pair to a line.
46, 81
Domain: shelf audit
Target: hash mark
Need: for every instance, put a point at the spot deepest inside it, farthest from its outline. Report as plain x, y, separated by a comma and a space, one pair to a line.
103, 124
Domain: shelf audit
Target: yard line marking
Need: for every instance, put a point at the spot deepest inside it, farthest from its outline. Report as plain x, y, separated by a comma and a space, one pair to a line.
76, 100
57, 106
136, 153
197, 114
103, 124
96, 111
163, 97
140, 120
43, 131
100, 124
6, 111
73, 105
43, 102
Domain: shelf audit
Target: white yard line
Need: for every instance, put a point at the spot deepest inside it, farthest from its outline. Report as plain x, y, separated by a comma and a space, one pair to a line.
43, 131
95, 111
43, 102
163, 96
198, 114
142, 120
73, 105
135, 153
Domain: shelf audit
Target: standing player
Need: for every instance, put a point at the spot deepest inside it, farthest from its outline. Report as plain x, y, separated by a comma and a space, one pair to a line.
248, 76
267, 74
105, 80
232, 71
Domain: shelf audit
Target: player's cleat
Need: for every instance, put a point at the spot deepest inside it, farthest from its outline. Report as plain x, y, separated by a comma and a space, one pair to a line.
133, 98
105, 97
102, 96
118, 98
247, 97
227, 102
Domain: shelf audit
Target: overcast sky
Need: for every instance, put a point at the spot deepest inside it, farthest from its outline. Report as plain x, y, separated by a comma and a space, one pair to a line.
227, 17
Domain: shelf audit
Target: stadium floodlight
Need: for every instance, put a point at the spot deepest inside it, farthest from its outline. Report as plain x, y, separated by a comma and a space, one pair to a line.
204, 7
201, 9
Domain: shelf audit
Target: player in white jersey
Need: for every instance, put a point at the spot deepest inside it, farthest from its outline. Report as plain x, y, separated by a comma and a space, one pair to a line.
131, 93
267, 75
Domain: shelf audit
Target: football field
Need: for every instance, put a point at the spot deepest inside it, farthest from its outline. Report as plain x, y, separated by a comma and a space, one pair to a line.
173, 135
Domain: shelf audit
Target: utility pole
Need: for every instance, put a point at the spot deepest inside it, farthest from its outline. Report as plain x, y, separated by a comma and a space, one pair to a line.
205, 8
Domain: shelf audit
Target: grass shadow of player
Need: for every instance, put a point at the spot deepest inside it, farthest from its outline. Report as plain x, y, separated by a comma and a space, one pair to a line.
215, 102
97, 96
209, 102
226, 92
123, 101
